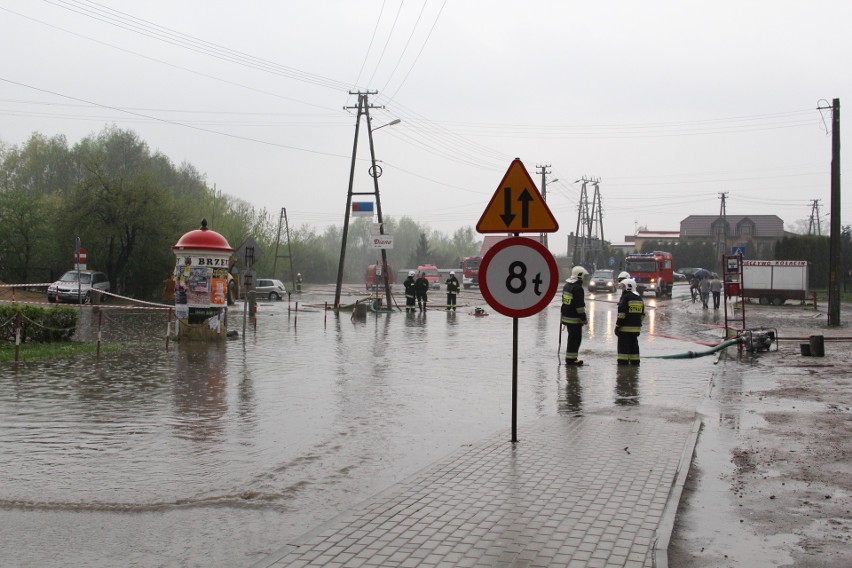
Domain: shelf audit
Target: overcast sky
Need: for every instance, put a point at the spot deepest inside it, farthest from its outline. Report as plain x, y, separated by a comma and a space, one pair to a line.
668, 104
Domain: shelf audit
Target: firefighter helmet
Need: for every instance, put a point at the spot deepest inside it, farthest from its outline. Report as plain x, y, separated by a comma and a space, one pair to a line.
411, 273
579, 272
624, 274
452, 272
628, 284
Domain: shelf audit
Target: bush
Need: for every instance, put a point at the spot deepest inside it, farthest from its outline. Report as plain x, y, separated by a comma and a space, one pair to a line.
40, 325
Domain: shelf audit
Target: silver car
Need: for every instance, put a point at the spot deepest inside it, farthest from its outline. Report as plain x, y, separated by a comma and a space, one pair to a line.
77, 285
269, 288
603, 280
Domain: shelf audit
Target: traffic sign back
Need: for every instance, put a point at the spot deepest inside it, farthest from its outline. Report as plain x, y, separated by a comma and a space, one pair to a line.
517, 206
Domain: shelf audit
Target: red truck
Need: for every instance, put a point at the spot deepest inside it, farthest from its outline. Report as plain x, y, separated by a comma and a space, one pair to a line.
652, 271
375, 280
470, 271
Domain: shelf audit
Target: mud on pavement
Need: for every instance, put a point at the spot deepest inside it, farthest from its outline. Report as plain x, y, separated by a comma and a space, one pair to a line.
771, 478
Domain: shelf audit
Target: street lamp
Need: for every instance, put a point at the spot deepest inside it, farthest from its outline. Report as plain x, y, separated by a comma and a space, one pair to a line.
391, 123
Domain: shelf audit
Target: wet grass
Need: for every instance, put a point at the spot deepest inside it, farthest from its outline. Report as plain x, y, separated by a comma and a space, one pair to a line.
37, 351
822, 295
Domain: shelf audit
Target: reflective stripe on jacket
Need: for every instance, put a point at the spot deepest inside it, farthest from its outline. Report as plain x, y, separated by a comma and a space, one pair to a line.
573, 304
452, 285
631, 312
409, 287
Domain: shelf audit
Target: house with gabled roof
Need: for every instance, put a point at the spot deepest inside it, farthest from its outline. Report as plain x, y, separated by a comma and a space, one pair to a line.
757, 233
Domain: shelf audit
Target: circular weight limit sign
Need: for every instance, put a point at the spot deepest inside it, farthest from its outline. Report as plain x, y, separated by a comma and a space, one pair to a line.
518, 277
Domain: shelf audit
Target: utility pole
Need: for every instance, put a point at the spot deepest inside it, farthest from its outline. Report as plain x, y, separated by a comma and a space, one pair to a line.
814, 222
282, 221
722, 229
363, 107
544, 171
834, 239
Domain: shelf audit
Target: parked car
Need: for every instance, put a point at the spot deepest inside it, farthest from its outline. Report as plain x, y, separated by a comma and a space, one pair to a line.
269, 288
432, 275
77, 285
679, 277
602, 280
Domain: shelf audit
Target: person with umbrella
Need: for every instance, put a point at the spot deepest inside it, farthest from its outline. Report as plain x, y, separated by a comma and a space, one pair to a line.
704, 286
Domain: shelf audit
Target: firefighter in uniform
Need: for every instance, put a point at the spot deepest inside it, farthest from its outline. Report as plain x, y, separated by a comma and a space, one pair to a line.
628, 324
574, 313
421, 288
452, 290
409, 292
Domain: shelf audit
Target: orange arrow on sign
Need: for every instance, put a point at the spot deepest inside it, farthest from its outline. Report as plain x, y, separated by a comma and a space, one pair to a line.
517, 206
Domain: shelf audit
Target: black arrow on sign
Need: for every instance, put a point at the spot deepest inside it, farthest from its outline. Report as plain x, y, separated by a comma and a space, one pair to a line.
507, 215
525, 199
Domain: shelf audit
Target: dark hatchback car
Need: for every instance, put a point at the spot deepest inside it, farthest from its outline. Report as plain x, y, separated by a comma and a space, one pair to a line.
602, 281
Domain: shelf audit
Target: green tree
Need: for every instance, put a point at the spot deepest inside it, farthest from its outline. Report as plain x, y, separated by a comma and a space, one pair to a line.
24, 234
120, 209
814, 249
422, 254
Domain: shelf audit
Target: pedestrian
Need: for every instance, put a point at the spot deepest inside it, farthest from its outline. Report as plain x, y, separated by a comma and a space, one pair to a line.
421, 287
409, 285
693, 287
628, 324
716, 290
704, 291
452, 290
574, 314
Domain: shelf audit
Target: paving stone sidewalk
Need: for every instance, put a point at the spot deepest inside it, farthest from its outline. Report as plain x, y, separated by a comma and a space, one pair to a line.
598, 490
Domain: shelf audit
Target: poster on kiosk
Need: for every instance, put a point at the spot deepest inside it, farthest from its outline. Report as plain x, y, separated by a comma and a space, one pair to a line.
202, 280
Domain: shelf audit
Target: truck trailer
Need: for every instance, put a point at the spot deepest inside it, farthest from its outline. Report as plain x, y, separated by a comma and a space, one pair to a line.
775, 281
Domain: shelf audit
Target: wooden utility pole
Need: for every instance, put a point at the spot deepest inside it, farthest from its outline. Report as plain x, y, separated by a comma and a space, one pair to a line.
544, 171
722, 228
834, 248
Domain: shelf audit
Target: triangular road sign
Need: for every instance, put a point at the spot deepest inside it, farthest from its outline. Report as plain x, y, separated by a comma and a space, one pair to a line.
517, 206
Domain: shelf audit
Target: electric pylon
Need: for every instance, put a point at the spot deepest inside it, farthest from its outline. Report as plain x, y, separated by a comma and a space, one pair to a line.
284, 226
590, 234
814, 221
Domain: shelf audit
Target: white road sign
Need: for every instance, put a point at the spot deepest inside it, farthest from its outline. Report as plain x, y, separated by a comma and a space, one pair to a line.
518, 277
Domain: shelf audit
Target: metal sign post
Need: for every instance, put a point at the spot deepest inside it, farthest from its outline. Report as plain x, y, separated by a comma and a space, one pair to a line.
518, 276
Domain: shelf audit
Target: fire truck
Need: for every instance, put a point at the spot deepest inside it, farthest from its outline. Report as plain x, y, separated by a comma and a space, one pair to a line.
652, 271
374, 279
470, 271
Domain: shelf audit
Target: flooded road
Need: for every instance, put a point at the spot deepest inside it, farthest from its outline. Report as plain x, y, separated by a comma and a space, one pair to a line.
216, 455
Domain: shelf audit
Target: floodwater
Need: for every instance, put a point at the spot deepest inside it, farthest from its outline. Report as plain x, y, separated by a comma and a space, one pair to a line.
219, 454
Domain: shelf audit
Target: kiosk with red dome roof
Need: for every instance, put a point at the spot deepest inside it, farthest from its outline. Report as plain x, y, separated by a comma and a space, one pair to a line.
201, 284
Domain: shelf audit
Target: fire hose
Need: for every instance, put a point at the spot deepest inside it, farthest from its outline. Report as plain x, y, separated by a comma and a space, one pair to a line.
695, 354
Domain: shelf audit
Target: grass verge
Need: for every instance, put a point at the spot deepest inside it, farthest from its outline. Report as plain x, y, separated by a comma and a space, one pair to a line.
37, 351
